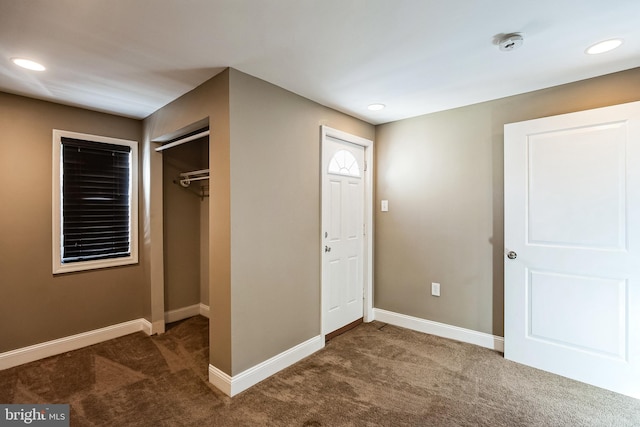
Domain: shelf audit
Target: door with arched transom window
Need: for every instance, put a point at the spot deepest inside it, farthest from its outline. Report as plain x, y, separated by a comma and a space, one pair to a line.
343, 230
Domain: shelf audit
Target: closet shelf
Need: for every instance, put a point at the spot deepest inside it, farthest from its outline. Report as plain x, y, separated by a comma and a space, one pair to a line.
183, 140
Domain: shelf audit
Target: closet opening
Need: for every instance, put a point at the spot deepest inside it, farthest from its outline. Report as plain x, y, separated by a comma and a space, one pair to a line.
185, 188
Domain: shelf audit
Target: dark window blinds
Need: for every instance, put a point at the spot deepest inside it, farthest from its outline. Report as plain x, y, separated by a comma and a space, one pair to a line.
95, 200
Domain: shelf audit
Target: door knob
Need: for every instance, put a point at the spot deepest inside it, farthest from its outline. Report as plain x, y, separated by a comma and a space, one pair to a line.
327, 249
512, 255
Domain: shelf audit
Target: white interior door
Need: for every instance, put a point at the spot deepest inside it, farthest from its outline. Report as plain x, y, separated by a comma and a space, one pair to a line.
572, 246
343, 198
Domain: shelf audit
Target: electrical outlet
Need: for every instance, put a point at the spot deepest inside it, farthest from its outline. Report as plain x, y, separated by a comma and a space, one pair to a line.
435, 289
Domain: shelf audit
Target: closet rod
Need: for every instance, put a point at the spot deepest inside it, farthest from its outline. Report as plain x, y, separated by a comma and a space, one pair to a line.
183, 140
188, 177
186, 181
198, 172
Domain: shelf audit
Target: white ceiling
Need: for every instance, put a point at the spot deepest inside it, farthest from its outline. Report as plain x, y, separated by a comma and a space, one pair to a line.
131, 57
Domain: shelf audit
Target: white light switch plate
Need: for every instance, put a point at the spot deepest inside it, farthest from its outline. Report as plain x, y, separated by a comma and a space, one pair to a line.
435, 289
384, 206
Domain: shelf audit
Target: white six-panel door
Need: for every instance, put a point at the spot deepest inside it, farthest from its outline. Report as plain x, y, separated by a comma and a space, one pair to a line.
572, 246
343, 229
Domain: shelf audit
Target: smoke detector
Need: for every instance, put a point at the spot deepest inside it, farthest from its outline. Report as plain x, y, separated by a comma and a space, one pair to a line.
510, 42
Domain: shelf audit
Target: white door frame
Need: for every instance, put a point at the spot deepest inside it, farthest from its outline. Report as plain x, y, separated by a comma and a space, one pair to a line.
368, 220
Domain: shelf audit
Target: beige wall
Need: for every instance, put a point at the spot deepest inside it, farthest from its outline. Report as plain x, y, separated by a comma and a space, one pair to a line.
443, 176
209, 100
204, 238
184, 233
36, 306
264, 212
275, 225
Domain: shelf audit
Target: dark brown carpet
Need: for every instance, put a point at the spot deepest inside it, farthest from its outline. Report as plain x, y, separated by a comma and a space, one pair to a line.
373, 375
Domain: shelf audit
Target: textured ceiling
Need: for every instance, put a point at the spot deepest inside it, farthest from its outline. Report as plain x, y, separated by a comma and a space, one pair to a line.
131, 57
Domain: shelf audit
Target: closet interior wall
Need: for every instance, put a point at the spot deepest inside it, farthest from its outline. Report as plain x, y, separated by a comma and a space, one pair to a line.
186, 228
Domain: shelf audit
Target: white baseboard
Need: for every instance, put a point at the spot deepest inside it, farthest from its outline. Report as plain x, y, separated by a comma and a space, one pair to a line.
221, 380
157, 327
204, 310
186, 312
440, 329
146, 326
238, 383
181, 313
23, 355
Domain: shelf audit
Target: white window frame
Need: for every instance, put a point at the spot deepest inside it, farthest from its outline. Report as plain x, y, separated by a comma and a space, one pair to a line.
58, 266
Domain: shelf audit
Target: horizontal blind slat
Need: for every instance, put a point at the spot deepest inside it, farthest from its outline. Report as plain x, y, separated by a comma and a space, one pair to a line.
96, 200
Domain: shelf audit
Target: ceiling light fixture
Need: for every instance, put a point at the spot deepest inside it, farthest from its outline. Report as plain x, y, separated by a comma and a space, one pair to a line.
376, 107
28, 64
602, 47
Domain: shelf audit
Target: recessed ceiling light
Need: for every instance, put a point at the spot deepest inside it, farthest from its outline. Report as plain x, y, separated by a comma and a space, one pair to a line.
604, 46
28, 64
375, 107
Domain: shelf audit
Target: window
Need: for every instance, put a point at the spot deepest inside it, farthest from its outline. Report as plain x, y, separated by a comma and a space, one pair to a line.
344, 163
95, 200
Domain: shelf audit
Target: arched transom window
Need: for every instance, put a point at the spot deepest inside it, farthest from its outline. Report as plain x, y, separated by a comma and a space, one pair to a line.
344, 163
